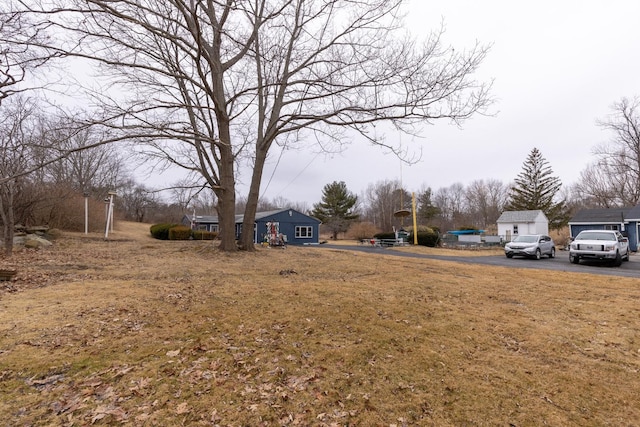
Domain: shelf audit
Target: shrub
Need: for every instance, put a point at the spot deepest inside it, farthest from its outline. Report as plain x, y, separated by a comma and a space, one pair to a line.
180, 232
426, 238
161, 231
204, 235
424, 228
362, 230
60, 207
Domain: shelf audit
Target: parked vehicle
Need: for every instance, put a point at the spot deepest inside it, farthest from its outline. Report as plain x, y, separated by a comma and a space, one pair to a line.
599, 244
531, 246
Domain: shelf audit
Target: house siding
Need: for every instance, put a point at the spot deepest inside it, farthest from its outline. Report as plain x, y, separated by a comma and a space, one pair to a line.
288, 220
201, 222
632, 234
527, 222
633, 228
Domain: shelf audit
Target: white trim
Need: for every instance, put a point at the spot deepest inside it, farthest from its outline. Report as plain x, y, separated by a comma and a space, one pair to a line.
309, 229
597, 222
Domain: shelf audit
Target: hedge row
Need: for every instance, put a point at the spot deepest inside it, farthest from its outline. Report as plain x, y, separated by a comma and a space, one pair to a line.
431, 240
203, 235
425, 238
161, 231
171, 231
180, 232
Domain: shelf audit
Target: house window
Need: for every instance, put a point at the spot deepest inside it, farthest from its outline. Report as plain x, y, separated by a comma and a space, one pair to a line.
515, 229
611, 227
304, 232
213, 227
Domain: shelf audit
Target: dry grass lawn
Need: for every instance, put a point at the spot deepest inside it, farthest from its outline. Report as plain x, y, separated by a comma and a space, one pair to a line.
141, 332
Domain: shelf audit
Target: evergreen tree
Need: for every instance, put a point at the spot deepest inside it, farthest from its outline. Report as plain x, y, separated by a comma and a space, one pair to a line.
336, 208
426, 209
536, 188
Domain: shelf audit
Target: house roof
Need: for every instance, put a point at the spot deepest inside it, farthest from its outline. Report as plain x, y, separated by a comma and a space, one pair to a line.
261, 215
204, 219
521, 216
601, 215
212, 219
633, 214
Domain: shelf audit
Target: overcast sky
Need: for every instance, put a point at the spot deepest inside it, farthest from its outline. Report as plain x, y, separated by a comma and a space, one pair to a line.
557, 66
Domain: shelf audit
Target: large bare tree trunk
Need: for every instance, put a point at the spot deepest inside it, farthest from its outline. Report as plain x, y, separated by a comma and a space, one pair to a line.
227, 201
249, 219
6, 213
227, 223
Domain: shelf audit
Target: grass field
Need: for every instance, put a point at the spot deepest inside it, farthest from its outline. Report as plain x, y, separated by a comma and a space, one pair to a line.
135, 331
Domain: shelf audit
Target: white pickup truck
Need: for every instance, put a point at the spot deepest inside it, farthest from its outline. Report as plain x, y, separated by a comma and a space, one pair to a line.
599, 244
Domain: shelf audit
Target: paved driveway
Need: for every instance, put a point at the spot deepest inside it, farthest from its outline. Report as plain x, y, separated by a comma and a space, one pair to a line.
559, 263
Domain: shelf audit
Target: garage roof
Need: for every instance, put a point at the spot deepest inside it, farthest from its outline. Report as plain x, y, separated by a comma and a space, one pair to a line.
601, 216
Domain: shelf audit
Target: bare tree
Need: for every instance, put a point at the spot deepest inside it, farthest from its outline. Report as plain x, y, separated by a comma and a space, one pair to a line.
136, 201
13, 59
66, 159
485, 201
18, 118
17, 127
614, 178
266, 204
452, 206
383, 200
575, 201
597, 187
205, 202
283, 203
20, 52
185, 195
97, 170
210, 84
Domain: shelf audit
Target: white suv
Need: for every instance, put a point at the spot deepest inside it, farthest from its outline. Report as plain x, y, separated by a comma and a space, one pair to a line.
599, 244
531, 245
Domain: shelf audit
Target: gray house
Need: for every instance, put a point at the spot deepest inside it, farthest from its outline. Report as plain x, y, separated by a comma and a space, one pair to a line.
283, 225
514, 223
624, 220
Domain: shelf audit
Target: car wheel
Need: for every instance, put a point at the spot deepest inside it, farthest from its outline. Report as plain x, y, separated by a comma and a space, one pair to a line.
552, 254
574, 259
538, 254
626, 257
509, 255
617, 262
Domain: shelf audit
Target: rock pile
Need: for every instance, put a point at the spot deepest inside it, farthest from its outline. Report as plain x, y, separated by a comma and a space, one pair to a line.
30, 237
